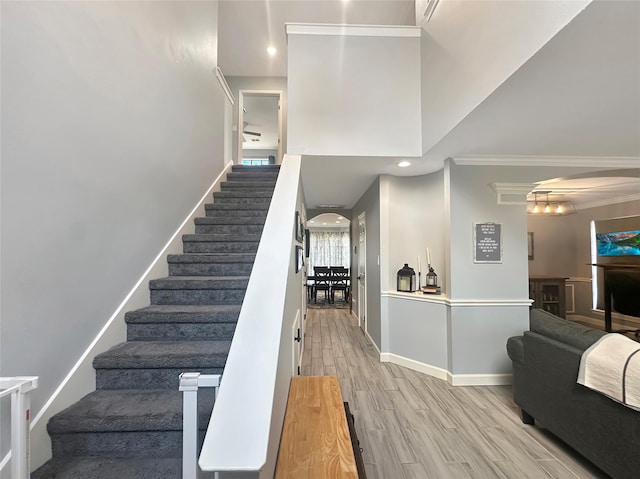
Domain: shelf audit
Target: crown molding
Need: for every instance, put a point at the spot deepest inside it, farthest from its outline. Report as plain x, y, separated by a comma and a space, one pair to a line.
512, 193
575, 161
607, 202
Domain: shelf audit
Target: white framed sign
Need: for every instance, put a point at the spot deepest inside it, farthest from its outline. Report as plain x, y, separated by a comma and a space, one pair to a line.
487, 243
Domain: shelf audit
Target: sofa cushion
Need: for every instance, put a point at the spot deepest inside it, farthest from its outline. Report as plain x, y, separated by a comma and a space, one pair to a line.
573, 334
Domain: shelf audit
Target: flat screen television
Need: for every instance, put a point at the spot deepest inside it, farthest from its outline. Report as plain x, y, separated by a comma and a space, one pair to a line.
619, 243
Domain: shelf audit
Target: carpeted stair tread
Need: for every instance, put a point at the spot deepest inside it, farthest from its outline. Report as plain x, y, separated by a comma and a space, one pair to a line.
186, 313
253, 193
248, 184
108, 468
255, 168
199, 282
190, 258
164, 354
123, 410
230, 220
212, 237
247, 176
240, 209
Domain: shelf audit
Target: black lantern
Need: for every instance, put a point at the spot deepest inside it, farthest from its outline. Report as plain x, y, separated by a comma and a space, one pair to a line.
432, 278
406, 279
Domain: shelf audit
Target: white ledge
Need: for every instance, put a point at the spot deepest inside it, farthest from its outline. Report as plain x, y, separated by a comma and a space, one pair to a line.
352, 30
443, 299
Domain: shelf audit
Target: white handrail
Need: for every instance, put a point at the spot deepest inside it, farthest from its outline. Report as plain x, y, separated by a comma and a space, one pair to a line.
246, 423
189, 385
19, 388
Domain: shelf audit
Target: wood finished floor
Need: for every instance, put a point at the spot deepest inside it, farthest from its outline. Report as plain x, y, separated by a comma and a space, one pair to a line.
413, 426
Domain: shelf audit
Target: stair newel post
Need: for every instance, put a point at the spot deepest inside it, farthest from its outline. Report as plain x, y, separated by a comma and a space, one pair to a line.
189, 388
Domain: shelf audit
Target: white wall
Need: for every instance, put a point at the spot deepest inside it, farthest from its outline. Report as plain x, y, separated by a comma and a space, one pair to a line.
354, 95
415, 218
111, 132
469, 48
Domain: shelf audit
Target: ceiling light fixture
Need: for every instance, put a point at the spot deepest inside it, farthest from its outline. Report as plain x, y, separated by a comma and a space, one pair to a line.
271, 50
547, 207
536, 209
404, 164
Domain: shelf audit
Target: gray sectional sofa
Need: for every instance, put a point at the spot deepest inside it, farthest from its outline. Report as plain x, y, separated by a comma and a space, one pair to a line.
545, 369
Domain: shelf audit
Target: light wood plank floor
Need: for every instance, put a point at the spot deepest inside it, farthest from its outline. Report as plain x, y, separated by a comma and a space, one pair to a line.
413, 426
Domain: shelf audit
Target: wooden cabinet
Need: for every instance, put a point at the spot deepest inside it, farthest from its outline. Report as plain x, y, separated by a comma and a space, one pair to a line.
548, 293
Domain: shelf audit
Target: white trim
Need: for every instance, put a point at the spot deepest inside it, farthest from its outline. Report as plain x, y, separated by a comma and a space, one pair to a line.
570, 293
480, 379
403, 31
518, 190
433, 371
417, 296
225, 86
578, 280
89, 350
4, 463
576, 161
456, 303
366, 333
607, 201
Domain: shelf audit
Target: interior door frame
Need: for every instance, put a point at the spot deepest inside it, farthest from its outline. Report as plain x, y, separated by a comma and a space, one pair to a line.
269, 93
362, 285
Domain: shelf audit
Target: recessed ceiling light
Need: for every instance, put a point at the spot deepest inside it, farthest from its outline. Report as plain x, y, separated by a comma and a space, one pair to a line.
404, 164
271, 50
311, 221
338, 221
324, 223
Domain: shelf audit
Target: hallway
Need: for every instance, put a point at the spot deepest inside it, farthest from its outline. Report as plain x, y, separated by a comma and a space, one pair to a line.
413, 426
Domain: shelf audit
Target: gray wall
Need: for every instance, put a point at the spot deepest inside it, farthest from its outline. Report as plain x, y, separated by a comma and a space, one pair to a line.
370, 204
112, 125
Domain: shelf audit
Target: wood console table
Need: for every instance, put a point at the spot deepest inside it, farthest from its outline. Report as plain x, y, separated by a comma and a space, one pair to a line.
318, 440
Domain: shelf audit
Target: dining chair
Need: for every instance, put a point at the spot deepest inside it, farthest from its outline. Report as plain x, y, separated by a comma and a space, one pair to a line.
322, 282
339, 282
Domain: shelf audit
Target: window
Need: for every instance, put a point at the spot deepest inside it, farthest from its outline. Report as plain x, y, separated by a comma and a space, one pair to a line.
255, 161
329, 248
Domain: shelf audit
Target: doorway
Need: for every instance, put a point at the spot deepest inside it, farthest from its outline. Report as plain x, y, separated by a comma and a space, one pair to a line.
362, 277
259, 127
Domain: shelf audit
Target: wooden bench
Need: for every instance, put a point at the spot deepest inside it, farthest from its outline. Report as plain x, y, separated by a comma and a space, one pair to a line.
316, 443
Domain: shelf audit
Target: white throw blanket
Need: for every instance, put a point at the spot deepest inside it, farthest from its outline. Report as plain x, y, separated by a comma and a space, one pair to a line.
611, 366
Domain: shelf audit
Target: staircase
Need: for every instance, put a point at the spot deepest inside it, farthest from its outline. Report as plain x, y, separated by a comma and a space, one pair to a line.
131, 426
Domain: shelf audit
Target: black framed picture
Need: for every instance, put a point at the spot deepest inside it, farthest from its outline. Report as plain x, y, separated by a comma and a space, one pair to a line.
307, 242
299, 228
299, 258
530, 245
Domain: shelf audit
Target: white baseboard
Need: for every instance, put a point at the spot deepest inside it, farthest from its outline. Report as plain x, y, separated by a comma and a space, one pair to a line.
80, 380
479, 379
453, 379
415, 365
366, 333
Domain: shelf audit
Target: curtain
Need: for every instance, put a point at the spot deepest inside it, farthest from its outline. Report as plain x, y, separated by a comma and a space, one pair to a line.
329, 248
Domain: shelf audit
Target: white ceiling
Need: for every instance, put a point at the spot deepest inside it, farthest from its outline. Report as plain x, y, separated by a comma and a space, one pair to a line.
579, 96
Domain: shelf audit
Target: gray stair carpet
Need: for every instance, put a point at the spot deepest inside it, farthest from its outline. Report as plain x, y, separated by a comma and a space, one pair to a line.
130, 427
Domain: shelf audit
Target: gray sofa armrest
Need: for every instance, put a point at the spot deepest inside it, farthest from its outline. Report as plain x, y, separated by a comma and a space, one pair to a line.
515, 349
